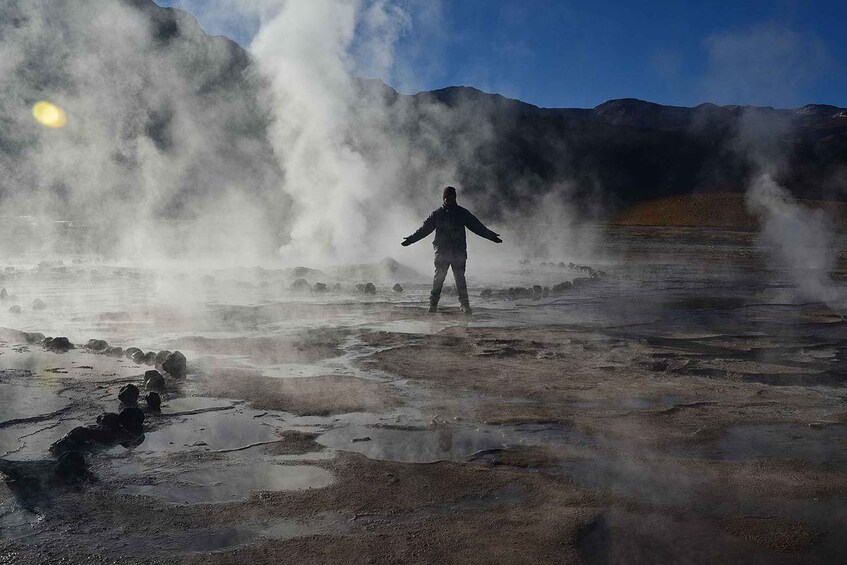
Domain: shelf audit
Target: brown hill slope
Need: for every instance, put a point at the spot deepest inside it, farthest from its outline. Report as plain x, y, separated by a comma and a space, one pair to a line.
714, 209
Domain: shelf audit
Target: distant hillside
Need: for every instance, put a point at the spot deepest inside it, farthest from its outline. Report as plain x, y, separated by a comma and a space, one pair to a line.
714, 210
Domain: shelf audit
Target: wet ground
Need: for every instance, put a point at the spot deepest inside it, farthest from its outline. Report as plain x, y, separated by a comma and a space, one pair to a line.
688, 406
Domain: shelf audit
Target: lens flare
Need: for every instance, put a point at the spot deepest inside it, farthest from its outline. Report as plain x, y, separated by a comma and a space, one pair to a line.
49, 115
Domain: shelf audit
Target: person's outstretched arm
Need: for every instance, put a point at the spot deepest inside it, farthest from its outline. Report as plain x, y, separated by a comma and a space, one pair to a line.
427, 228
473, 224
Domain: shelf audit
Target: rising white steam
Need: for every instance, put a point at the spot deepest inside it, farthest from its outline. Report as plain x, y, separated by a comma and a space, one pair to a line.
800, 240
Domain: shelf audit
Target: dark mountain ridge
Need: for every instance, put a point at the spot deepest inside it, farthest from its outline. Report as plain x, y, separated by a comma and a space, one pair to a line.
506, 153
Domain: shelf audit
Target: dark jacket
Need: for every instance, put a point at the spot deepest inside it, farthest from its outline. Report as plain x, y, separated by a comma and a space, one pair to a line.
449, 223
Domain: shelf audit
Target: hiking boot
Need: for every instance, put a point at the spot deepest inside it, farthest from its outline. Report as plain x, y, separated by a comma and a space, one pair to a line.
466, 308
433, 308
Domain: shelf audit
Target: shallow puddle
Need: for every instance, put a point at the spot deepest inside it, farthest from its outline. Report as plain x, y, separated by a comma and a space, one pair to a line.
825, 445
233, 483
22, 403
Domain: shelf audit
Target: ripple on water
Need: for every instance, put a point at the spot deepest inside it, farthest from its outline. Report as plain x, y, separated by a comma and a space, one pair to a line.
233, 483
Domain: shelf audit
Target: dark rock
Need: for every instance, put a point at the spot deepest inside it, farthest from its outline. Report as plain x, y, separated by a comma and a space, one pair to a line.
486, 293
150, 358
397, 288
109, 421
360, 287
580, 281
130, 351
96, 345
369, 288
71, 468
15, 309
58, 344
161, 356
319, 287
153, 380
562, 286
175, 365
154, 401
132, 419
38, 304
4, 294
114, 352
128, 394
300, 285
77, 439
561, 264
139, 357
34, 337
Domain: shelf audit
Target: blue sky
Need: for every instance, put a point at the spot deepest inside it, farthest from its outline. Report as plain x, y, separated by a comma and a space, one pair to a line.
558, 53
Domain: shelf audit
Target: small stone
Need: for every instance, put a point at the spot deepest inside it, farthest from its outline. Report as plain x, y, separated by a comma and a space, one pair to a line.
128, 394
109, 421
153, 380
154, 401
70, 468
360, 439
161, 356
175, 365
96, 345
369, 288
132, 419
15, 309
397, 288
319, 287
300, 284
38, 304
58, 344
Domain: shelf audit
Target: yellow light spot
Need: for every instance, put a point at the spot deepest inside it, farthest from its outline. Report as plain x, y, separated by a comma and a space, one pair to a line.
49, 115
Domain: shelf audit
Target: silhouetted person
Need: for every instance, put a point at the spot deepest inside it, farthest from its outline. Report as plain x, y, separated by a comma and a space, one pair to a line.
451, 251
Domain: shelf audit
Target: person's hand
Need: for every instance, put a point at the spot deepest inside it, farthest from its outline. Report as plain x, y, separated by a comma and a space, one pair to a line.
406, 242
496, 238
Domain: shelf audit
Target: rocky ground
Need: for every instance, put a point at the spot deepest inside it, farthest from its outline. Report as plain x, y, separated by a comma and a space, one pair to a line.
688, 418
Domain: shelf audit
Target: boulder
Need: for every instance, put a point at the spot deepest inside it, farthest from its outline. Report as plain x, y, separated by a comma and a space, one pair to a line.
150, 358
300, 285
15, 309
115, 352
132, 419
58, 344
175, 365
130, 351
154, 401
109, 421
153, 380
75, 440
320, 287
562, 286
70, 468
138, 357
34, 337
369, 288
161, 356
360, 287
38, 304
580, 281
128, 394
561, 264
397, 288
98, 345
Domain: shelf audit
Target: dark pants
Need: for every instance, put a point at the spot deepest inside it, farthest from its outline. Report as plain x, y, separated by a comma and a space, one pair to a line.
441, 266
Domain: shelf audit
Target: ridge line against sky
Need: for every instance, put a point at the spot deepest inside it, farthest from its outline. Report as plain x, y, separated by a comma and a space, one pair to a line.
571, 54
